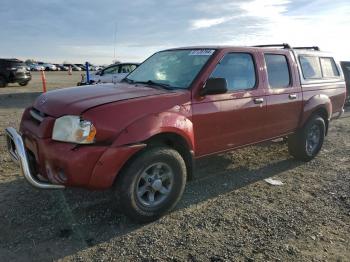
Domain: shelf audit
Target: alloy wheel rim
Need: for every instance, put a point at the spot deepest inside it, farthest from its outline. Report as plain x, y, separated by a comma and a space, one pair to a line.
313, 139
154, 184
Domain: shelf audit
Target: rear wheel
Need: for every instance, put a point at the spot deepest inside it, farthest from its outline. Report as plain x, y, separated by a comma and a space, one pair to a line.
3, 82
307, 142
151, 184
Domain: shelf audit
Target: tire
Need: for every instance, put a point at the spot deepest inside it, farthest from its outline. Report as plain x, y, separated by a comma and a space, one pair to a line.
308, 141
3, 82
23, 83
157, 174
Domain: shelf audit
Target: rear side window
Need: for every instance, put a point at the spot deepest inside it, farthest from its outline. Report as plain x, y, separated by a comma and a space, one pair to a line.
277, 70
329, 68
310, 66
238, 69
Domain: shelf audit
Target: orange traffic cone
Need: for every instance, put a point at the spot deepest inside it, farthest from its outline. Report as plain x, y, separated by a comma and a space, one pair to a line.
43, 80
70, 70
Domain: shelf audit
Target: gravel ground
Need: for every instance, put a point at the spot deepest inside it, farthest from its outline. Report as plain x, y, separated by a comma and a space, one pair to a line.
228, 212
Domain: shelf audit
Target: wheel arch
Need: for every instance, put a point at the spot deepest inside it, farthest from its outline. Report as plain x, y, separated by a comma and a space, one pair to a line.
169, 139
165, 129
177, 142
317, 105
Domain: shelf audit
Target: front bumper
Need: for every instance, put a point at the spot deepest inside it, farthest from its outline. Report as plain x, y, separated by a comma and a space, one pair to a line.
90, 167
19, 155
21, 77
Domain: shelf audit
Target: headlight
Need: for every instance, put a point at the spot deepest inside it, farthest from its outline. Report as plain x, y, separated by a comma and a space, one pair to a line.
73, 129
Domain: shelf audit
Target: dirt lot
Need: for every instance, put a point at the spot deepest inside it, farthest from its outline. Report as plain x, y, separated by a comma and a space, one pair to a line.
228, 213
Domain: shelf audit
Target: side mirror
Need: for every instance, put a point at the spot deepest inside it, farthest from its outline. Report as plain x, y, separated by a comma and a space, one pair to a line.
214, 86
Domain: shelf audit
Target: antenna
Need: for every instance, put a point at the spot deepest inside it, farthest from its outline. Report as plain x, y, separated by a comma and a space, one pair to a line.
115, 40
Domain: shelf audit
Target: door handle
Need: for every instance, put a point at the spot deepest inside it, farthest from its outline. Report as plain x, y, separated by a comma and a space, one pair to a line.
259, 100
292, 96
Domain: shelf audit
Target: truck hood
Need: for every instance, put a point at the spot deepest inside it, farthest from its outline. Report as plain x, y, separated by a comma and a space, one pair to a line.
76, 100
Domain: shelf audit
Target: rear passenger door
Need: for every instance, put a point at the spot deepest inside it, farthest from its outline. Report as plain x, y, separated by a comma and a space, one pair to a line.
284, 100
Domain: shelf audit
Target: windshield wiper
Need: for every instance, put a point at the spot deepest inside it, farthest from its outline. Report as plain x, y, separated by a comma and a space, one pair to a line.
153, 83
166, 86
149, 82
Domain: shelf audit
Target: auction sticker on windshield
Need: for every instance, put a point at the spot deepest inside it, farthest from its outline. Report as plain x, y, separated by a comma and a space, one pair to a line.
207, 52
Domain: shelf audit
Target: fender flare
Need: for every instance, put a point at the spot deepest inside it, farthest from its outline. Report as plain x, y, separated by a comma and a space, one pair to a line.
155, 124
316, 103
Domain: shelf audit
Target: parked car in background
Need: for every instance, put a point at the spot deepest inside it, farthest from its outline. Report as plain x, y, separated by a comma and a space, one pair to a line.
61, 67
346, 69
93, 67
36, 67
49, 67
83, 67
113, 73
57, 67
142, 136
74, 67
97, 68
13, 71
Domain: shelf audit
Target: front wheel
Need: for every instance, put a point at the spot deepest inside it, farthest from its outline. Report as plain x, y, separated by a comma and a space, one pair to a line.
307, 142
151, 184
23, 83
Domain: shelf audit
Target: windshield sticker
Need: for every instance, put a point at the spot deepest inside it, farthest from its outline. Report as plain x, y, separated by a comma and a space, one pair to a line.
206, 52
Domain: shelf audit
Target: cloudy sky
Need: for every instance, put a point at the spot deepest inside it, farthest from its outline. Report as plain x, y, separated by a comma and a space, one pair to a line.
77, 30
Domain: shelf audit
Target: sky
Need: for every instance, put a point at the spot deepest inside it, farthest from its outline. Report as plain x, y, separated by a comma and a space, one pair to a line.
101, 31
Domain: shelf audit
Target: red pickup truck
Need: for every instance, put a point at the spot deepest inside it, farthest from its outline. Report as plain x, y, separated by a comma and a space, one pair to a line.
141, 136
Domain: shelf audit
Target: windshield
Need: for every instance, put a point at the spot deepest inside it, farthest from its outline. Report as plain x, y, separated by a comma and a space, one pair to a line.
175, 68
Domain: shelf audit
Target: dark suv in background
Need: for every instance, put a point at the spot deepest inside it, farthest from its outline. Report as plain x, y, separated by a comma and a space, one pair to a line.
13, 71
346, 69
